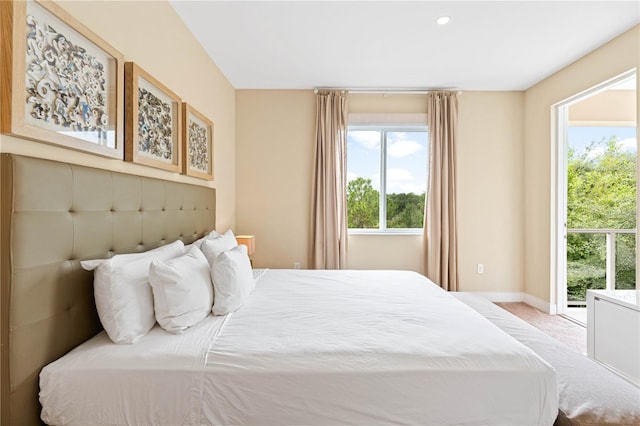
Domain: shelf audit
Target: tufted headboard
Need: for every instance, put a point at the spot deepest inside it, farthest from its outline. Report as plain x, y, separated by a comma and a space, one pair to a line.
52, 216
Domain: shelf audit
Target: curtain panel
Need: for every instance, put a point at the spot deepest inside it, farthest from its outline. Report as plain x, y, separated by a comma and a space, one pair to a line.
328, 236
440, 262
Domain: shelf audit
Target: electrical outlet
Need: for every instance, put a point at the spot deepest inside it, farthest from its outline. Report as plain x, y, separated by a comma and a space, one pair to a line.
480, 268
296, 265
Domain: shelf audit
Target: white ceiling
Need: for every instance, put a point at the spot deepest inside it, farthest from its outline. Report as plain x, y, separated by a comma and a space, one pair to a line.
488, 45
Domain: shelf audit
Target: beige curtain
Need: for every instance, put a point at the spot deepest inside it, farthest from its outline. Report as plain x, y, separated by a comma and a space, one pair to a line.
440, 234
328, 239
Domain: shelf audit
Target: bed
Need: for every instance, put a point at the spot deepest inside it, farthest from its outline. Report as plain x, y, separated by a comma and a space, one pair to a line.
312, 347
589, 394
52, 215
308, 347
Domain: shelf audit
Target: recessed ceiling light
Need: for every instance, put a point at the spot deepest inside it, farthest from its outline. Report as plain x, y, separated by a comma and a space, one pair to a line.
443, 20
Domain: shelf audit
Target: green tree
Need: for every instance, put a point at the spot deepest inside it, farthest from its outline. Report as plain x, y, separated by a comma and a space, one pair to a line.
602, 187
362, 204
363, 201
601, 193
405, 210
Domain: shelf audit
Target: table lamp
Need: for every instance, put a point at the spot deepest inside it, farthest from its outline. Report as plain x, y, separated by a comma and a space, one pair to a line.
249, 241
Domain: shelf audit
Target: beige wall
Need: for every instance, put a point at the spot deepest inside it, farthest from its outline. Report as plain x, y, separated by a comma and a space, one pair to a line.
609, 108
606, 62
274, 155
171, 54
490, 199
275, 135
366, 251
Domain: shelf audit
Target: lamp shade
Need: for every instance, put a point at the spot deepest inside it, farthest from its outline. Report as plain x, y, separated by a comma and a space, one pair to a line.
249, 241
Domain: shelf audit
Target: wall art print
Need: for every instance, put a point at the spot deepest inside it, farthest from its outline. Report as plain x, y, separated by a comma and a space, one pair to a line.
66, 83
198, 143
155, 121
152, 115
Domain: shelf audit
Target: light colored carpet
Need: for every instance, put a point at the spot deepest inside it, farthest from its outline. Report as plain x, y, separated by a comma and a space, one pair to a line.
558, 327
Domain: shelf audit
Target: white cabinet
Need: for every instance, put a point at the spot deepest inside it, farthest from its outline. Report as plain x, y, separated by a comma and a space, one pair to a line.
613, 331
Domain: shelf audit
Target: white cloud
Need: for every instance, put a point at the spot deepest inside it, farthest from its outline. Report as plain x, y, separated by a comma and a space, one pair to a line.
595, 152
400, 175
375, 181
403, 148
368, 139
629, 144
399, 181
402, 181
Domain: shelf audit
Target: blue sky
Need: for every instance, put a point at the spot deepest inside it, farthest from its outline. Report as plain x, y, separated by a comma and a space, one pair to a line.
579, 137
406, 159
407, 154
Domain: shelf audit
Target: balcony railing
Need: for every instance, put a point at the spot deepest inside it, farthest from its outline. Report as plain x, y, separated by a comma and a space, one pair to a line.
597, 263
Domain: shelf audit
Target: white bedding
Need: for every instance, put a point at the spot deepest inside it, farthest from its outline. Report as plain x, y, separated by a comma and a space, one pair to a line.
312, 347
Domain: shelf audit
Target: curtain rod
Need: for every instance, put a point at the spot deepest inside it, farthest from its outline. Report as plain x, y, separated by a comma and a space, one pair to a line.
387, 91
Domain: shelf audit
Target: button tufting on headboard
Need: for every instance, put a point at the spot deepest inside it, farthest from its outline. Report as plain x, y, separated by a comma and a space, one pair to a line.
53, 214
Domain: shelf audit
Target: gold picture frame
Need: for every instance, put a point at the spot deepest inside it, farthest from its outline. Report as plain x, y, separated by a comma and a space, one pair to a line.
197, 139
61, 83
153, 121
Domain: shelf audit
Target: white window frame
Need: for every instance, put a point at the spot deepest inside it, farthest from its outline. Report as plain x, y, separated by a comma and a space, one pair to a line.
384, 128
559, 150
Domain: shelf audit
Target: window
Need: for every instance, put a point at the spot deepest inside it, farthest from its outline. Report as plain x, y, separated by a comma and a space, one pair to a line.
386, 177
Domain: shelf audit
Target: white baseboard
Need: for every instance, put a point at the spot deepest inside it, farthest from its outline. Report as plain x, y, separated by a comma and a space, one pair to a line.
540, 304
497, 296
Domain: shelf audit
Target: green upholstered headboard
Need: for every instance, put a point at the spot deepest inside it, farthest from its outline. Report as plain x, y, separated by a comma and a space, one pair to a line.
53, 215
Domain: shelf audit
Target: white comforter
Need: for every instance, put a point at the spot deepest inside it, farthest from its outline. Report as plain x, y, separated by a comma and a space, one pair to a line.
312, 347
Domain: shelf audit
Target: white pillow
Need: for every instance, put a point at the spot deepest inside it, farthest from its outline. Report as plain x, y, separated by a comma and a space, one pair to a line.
182, 290
232, 280
198, 243
212, 247
123, 296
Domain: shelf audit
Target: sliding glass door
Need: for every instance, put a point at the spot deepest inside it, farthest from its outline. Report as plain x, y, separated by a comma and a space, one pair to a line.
597, 138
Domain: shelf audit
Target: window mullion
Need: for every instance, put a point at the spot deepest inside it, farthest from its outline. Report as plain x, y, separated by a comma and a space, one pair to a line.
383, 180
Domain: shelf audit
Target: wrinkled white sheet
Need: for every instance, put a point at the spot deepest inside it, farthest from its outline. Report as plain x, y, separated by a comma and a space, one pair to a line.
313, 347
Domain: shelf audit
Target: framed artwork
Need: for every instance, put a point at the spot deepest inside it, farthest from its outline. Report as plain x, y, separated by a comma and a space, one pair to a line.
197, 137
152, 116
61, 83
